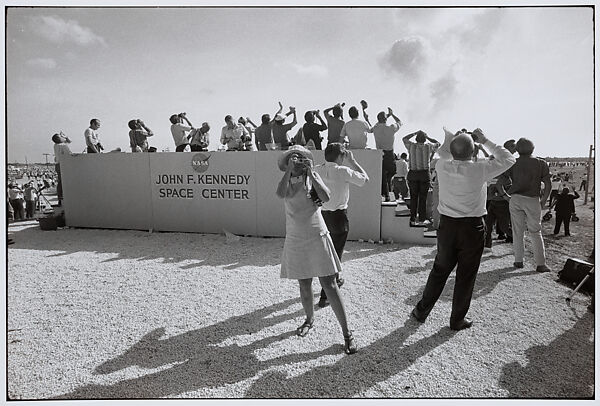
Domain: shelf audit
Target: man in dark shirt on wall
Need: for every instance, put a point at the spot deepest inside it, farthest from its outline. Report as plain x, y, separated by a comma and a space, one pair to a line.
311, 129
335, 123
525, 205
280, 130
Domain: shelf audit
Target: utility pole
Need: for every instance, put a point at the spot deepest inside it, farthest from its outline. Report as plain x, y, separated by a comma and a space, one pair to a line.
46, 155
588, 180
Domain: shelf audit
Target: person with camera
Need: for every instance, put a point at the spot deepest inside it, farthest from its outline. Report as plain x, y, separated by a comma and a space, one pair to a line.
233, 135
384, 140
308, 250
461, 232
180, 131
338, 177
312, 130
92, 141
199, 138
280, 130
138, 135
61, 148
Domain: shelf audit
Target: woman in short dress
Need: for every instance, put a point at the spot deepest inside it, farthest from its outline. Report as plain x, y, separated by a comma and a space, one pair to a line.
308, 250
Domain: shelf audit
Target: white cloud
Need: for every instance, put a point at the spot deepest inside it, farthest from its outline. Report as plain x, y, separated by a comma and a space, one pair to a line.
407, 57
312, 70
57, 30
43, 63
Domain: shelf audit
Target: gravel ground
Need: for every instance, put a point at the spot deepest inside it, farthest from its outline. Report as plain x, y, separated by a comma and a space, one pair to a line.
98, 314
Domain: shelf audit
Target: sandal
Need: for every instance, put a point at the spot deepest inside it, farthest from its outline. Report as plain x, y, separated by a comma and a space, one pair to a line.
303, 330
349, 344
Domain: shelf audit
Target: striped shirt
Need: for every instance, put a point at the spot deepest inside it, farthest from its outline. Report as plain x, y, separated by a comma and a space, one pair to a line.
419, 155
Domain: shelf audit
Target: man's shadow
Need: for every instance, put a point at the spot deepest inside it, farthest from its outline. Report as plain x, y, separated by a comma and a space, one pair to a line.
485, 283
200, 358
562, 369
352, 374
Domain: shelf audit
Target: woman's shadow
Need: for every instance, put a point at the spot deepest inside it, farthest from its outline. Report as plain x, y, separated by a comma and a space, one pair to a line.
200, 358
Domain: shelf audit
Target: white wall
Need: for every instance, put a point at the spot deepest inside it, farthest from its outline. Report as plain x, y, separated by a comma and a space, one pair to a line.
164, 191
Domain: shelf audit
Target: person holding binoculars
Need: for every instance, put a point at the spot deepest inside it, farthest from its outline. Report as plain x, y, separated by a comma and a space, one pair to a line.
180, 131
138, 135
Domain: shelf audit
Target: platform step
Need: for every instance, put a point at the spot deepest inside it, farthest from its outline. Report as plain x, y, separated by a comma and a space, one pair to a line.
430, 234
419, 225
402, 213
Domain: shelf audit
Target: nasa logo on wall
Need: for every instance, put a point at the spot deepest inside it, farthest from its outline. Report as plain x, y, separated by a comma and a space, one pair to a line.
200, 162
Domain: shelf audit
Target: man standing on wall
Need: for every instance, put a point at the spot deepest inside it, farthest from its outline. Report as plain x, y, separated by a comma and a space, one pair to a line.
419, 178
355, 130
460, 236
337, 178
335, 123
138, 135
179, 131
232, 134
280, 130
61, 148
312, 130
384, 140
91, 137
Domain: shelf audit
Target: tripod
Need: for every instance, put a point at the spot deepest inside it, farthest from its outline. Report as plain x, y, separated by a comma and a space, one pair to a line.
589, 274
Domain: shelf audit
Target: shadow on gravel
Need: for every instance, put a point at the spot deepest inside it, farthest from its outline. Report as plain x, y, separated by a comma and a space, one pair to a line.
355, 373
196, 359
204, 249
557, 370
485, 283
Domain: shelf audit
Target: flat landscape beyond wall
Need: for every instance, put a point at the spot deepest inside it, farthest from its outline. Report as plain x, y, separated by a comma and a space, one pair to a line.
206, 192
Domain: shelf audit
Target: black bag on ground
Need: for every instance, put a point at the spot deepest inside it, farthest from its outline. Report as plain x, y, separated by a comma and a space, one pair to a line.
574, 271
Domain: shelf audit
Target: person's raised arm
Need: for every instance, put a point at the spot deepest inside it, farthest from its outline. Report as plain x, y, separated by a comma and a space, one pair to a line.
187, 121
327, 111
396, 119
366, 117
277, 112
353, 164
323, 125
444, 150
502, 161
149, 131
251, 123
322, 191
407, 137
284, 183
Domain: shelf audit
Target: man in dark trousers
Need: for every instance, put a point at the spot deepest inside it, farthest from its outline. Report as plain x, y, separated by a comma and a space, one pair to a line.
461, 233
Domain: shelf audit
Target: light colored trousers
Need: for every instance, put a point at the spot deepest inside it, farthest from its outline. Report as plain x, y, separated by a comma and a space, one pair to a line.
527, 212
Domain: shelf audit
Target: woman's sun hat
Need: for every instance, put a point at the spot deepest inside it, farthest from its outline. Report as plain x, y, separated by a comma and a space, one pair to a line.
282, 162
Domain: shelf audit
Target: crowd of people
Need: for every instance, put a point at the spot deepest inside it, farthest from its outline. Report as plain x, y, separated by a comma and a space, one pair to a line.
476, 185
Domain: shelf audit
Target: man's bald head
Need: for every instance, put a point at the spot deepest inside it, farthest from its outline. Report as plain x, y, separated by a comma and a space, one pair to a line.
462, 147
525, 147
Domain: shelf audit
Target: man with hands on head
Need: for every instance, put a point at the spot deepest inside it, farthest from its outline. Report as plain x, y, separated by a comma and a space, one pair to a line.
419, 177
461, 232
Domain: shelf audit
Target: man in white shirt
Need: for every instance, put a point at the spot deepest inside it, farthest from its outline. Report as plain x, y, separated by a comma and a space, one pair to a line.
460, 236
384, 140
61, 148
355, 130
180, 131
399, 183
233, 135
91, 137
337, 178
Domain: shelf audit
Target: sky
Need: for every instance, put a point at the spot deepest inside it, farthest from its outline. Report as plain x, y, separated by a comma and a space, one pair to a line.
513, 72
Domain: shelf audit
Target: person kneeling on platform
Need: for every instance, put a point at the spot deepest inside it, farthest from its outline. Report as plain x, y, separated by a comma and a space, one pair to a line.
461, 233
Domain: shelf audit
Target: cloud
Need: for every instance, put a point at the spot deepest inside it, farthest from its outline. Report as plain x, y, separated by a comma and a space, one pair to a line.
407, 58
57, 30
312, 70
444, 91
478, 32
42, 63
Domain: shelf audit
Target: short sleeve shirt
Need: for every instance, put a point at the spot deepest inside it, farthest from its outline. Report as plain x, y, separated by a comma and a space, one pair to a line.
527, 175
280, 134
384, 135
263, 135
178, 131
334, 129
419, 155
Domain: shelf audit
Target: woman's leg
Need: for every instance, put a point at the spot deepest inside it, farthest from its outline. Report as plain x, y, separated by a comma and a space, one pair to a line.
306, 296
333, 294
